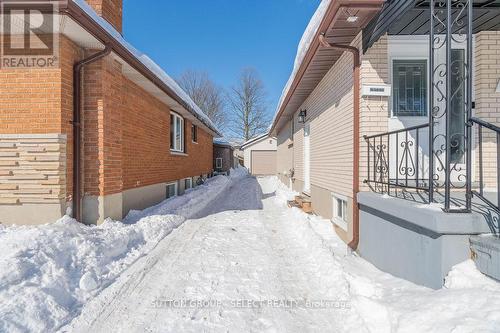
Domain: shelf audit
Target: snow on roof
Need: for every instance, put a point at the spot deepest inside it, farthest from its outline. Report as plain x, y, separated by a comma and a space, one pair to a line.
149, 63
254, 139
304, 44
222, 142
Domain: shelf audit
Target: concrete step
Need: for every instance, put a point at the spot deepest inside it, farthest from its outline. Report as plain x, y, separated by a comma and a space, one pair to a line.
302, 202
486, 254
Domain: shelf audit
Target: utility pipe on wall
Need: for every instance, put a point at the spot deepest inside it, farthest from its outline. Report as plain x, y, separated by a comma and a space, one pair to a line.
77, 128
355, 166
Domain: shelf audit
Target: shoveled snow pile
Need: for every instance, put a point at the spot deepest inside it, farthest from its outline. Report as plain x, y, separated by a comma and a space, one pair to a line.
193, 201
468, 302
48, 272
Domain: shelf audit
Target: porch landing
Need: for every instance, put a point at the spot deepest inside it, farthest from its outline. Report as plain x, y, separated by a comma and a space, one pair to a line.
417, 241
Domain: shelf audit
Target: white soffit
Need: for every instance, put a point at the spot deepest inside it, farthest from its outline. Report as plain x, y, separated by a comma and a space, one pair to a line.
78, 34
63, 24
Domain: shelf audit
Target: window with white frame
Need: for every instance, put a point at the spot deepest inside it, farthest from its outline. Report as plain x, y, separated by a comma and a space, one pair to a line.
171, 190
176, 133
342, 209
340, 213
188, 183
218, 163
409, 80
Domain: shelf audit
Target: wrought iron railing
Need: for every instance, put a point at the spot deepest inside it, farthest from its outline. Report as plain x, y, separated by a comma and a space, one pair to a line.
436, 159
396, 160
495, 142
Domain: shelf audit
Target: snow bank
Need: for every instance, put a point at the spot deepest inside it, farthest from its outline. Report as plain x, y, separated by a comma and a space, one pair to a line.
48, 272
193, 201
468, 302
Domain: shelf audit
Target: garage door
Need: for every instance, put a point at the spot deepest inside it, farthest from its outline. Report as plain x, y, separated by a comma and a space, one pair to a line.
263, 162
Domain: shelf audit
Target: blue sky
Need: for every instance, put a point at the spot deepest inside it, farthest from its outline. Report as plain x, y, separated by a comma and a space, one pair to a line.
221, 36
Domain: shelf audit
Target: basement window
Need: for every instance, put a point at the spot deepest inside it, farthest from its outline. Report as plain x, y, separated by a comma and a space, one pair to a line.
342, 209
176, 133
188, 183
171, 190
340, 212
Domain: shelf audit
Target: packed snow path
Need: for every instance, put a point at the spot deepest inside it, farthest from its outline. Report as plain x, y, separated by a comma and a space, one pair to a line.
240, 250
247, 246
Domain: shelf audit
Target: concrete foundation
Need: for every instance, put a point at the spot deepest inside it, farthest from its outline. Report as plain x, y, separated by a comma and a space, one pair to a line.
97, 208
415, 241
32, 214
143, 197
486, 254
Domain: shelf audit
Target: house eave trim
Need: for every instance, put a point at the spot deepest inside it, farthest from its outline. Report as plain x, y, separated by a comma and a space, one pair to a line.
94, 28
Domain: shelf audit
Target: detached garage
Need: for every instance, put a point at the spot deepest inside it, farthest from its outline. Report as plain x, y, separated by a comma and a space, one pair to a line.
260, 155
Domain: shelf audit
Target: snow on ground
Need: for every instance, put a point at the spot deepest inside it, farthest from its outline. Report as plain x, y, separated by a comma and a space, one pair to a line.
243, 262
48, 272
247, 263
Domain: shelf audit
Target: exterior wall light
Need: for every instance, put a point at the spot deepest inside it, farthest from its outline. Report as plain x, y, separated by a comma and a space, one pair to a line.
302, 116
352, 19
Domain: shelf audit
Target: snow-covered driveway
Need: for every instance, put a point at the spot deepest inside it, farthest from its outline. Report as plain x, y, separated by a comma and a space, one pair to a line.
241, 250
247, 263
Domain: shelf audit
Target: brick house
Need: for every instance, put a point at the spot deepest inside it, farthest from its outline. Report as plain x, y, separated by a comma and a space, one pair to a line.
102, 132
378, 138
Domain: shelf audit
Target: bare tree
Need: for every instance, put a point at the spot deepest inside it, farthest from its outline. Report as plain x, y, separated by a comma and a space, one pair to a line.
206, 94
247, 106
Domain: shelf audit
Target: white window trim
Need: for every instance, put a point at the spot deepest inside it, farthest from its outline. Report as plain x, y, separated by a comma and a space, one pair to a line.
190, 183
217, 162
176, 188
178, 153
177, 149
343, 224
192, 141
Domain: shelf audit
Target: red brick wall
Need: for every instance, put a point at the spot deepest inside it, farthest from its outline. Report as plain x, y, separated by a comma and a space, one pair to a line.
70, 53
93, 110
30, 101
125, 130
110, 10
111, 138
127, 136
40, 101
146, 143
